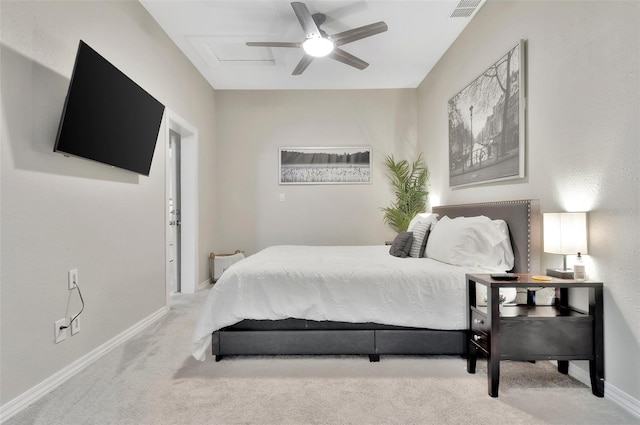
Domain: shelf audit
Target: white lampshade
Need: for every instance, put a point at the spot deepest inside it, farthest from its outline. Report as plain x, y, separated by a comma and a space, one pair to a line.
565, 233
318, 46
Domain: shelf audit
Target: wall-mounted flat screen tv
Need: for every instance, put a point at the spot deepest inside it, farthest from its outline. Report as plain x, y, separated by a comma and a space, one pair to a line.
107, 117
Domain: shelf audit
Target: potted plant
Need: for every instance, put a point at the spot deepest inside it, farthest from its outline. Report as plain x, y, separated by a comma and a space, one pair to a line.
409, 182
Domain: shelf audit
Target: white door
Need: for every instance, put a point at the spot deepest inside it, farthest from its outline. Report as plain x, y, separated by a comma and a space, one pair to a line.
174, 206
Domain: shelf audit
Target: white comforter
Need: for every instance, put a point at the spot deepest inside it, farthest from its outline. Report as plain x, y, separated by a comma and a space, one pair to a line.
337, 283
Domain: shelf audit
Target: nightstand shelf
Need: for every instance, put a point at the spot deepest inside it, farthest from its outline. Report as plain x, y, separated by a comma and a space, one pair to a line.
529, 332
522, 310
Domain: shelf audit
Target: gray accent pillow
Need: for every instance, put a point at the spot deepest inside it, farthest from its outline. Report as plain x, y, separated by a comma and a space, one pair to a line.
401, 245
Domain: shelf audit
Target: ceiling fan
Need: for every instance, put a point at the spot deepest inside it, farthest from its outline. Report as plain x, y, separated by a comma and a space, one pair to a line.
319, 44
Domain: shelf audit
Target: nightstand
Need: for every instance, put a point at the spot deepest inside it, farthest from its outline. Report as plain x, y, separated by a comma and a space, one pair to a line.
532, 332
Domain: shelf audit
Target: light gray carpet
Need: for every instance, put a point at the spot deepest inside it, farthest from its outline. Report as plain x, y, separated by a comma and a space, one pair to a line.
152, 379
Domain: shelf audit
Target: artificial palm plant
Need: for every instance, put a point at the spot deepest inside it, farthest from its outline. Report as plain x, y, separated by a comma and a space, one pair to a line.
409, 182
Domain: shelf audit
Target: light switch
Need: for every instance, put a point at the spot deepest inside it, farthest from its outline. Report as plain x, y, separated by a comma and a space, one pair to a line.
282, 197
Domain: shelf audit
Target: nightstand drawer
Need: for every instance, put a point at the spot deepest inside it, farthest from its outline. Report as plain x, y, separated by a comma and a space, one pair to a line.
481, 340
479, 322
480, 330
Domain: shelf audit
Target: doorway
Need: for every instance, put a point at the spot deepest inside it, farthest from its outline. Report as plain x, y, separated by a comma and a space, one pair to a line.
181, 206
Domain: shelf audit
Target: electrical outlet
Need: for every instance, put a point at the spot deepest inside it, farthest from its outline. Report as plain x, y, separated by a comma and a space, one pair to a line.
75, 326
59, 334
73, 278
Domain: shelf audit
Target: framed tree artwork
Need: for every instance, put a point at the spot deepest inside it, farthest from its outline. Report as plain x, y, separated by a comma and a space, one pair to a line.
487, 122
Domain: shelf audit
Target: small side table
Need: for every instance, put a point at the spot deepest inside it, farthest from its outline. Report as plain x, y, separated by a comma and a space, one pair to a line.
530, 332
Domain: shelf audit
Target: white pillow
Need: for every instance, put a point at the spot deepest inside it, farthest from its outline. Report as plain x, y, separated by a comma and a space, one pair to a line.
420, 225
420, 234
471, 241
422, 218
502, 253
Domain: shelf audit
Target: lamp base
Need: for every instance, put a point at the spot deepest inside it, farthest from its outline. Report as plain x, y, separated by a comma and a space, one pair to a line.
561, 273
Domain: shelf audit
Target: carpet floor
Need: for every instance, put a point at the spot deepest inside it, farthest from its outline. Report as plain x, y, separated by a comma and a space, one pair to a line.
152, 379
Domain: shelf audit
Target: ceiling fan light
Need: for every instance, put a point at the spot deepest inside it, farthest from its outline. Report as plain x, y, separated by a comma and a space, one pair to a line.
318, 46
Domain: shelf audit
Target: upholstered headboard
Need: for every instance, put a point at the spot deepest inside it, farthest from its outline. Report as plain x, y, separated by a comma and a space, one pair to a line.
524, 221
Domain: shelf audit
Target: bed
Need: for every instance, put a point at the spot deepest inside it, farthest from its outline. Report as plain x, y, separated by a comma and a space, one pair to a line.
304, 300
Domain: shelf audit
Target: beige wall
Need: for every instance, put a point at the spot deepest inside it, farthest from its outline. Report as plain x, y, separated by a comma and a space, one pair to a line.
583, 139
59, 213
252, 125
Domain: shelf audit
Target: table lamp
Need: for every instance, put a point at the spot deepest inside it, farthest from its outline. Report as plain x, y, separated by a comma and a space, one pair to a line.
566, 234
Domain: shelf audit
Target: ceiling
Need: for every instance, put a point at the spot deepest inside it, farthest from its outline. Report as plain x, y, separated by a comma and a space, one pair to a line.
213, 33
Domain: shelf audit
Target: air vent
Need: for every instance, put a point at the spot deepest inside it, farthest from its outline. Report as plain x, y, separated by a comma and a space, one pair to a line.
465, 8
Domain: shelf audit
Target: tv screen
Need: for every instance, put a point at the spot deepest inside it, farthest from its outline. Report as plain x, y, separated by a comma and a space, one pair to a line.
107, 117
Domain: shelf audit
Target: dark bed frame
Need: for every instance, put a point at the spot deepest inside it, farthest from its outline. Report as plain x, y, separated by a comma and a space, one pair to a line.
307, 337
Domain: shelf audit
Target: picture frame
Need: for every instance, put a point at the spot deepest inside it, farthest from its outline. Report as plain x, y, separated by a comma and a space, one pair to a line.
324, 165
487, 127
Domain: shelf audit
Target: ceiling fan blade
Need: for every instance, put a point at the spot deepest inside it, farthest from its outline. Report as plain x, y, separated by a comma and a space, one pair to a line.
309, 26
302, 65
358, 33
273, 43
347, 58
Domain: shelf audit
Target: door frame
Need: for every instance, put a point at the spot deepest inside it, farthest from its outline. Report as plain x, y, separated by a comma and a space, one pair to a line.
189, 203
175, 229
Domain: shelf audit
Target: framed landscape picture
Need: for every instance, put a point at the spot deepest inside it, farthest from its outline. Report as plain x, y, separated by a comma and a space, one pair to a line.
333, 165
486, 124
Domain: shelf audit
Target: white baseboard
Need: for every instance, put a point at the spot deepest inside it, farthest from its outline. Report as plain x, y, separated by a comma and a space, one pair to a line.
30, 396
611, 392
203, 285
627, 402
